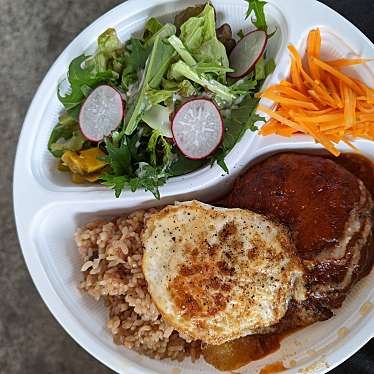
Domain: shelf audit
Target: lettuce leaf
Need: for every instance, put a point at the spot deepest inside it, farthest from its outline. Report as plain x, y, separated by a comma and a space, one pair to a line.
165, 32
181, 69
186, 14
158, 63
65, 136
108, 44
198, 34
158, 118
152, 26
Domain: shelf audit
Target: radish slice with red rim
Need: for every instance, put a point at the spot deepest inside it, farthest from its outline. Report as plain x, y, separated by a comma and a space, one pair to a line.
198, 128
247, 52
101, 113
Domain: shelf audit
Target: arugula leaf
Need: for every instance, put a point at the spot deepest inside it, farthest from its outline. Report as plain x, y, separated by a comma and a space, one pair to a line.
155, 139
137, 143
159, 61
269, 67
65, 136
119, 158
182, 165
257, 6
244, 86
241, 119
79, 77
116, 182
134, 59
241, 33
150, 178
260, 69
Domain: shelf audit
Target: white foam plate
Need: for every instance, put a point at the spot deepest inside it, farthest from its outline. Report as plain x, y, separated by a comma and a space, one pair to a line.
48, 207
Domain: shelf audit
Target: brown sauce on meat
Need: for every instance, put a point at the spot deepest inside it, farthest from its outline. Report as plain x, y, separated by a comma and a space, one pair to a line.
359, 166
237, 353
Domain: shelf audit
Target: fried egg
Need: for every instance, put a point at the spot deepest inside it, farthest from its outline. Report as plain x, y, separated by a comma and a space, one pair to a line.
218, 274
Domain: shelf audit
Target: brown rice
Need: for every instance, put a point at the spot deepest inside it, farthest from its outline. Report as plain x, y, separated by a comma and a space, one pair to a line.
112, 254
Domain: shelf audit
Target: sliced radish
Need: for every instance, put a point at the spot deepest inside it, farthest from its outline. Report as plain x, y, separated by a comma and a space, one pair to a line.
101, 113
198, 128
247, 52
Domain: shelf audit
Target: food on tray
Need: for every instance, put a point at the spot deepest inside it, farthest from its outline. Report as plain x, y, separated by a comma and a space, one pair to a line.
320, 100
164, 104
330, 215
169, 276
211, 271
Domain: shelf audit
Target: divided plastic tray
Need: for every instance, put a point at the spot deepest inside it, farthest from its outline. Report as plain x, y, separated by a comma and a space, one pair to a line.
48, 207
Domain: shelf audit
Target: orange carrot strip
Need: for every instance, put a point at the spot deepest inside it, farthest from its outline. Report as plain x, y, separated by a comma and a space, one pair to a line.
289, 102
296, 56
269, 127
366, 117
314, 50
342, 62
333, 91
323, 118
279, 118
286, 131
319, 112
296, 79
285, 83
336, 73
322, 139
292, 93
365, 108
316, 97
322, 92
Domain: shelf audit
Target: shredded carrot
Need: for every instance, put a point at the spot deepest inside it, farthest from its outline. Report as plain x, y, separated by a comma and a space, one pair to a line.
340, 63
313, 50
336, 73
321, 101
289, 102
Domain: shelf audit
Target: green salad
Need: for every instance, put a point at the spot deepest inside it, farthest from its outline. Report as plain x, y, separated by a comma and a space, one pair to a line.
139, 112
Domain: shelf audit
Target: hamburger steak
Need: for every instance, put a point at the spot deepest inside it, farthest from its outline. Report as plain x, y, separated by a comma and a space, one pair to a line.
330, 215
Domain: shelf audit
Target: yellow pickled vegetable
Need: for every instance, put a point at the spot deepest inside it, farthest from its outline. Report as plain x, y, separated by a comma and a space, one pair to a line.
90, 161
84, 162
73, 162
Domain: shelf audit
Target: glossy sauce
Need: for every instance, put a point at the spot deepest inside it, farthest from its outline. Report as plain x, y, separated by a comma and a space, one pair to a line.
275, 367
359, 166
237, 353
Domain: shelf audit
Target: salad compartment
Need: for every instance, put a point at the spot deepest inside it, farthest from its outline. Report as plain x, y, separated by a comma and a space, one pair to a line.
44, 166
